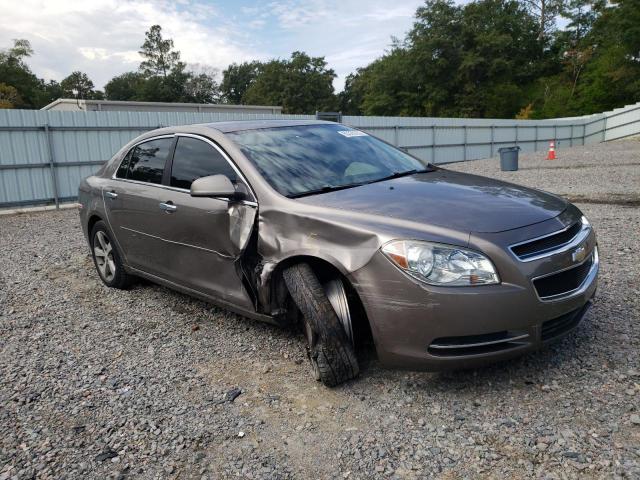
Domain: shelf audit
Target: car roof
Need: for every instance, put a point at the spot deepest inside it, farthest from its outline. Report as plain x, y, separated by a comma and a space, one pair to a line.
239, 125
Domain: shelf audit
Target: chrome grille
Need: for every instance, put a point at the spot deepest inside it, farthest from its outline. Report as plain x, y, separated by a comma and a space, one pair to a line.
551, 244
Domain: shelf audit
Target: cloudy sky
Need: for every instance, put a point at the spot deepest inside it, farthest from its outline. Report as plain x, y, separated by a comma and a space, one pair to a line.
102, 37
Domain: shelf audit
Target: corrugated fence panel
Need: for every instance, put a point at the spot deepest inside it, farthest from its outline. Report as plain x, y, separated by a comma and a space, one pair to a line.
78, 142
622, 122
416, 136
594, 130
505, 135
479, 135
477, 152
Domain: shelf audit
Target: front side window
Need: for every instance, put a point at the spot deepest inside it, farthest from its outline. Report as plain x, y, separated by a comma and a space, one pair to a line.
194, 159
304, 159
148, 160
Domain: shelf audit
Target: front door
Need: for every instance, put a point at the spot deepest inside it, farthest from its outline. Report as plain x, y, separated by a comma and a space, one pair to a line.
205, 236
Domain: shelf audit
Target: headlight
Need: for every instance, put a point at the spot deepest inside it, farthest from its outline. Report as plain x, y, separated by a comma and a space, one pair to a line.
438, 264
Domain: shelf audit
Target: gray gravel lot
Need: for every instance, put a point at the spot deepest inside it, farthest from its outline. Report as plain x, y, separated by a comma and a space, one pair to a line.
100, 383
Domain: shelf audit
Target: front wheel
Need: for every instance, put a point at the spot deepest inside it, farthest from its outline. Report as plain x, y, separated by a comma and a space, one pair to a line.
107, 259
330, 350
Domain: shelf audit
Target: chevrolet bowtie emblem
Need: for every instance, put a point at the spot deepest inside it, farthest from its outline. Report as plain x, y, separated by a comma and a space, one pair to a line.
579, 254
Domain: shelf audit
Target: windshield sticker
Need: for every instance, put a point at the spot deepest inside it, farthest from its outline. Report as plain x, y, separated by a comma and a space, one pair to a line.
352, 133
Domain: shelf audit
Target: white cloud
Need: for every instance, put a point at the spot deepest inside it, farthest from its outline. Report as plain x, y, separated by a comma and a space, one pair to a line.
349, 33
294, 14
102, 37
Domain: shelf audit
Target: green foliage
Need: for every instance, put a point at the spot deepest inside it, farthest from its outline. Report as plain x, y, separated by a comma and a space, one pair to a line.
33, 92
20, 50
612, 76
600, 60
202, 87
468, 61
78, 85
499, 58
545, 13
125, 86
9, 96
301, 84
385, 87
237, 79
162, 77
160, 58
15, 72
484, 58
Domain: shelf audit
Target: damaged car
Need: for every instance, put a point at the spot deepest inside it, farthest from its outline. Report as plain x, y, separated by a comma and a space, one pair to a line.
320, 225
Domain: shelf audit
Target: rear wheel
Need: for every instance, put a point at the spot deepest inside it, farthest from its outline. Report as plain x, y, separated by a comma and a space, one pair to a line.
107, 259
330, 349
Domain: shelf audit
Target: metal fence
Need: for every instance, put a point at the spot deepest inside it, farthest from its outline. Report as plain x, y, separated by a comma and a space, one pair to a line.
446, 140
44, 154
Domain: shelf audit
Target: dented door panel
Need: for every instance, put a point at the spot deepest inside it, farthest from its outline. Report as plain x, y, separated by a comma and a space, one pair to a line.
204, 239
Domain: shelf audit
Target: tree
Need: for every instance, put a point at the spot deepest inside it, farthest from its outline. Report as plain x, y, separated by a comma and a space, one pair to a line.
159, 56
9, 96
21, 49
581, 14
49, 92
202, 88
500, 58
485, 58
125, 87
600, 57
475, 60
546, 12
77, 85
611, 78
237, 79
301, 84
350, 99
384, 87
16, 73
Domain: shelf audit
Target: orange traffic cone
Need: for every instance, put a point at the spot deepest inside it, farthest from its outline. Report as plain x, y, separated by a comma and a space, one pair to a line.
552, 151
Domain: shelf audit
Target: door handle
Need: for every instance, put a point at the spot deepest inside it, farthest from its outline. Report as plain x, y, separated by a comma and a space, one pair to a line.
168, 207
111, 194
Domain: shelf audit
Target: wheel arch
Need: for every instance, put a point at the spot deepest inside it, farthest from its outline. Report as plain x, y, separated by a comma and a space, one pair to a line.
321, 265
326, 269
93, 219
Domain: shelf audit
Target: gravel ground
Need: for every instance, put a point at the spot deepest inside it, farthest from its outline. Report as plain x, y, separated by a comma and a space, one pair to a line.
606, 174
100, 383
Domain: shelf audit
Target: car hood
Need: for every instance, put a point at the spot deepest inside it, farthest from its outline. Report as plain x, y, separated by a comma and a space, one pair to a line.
464, 202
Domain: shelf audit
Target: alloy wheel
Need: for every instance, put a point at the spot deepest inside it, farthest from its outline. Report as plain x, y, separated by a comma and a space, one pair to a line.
103, 252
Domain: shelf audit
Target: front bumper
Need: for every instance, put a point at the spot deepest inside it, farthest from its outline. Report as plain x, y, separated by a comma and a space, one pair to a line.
418, 326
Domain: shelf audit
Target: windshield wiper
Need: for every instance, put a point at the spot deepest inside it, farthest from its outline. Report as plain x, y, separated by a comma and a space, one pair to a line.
325, 189
333, 188
406, 173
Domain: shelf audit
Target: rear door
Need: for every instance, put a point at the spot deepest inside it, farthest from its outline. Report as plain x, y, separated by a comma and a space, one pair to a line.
132, 202
205, 236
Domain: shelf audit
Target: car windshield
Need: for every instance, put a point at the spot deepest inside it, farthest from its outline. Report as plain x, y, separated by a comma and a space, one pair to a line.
306, 159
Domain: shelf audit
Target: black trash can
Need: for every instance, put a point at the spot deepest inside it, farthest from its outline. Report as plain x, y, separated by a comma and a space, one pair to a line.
509, 158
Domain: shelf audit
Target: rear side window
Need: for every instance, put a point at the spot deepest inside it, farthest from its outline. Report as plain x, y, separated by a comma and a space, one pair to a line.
194, 159
123, 169
147, 160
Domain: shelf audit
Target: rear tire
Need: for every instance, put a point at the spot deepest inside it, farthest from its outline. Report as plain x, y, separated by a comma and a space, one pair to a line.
107, 259
330, 351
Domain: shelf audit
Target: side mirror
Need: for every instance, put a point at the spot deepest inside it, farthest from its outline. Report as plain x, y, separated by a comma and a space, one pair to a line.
215, 186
